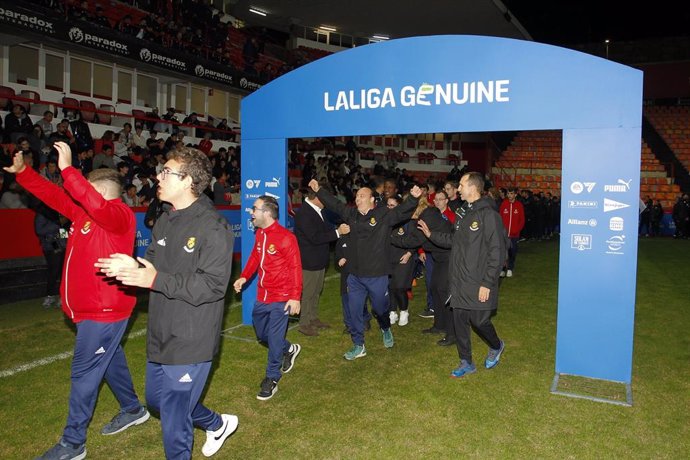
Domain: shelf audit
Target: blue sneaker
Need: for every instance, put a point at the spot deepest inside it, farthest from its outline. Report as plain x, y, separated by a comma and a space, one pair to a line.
464, 369
124, 420
388, 340
357, 351
494, 356
63, 451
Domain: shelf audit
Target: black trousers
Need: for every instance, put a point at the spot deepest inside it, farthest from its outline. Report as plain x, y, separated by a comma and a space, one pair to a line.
439, 293
54, 261
480, 321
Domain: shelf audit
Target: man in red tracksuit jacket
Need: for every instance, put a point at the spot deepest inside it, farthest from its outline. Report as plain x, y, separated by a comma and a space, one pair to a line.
101, 225
513, 216
276, 256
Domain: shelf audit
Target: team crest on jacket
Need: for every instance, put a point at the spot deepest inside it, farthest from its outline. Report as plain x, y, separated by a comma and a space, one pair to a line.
373, 222
401, 231
191, 242
474, 226
86, 228
271, 249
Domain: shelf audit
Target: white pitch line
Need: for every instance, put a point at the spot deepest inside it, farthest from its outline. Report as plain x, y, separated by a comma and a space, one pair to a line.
68, 354
51, 359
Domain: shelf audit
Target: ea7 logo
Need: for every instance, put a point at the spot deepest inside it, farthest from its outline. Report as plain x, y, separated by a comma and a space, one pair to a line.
251, 183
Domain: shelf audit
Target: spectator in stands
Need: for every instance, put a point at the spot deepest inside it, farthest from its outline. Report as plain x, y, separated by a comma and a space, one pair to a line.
130, 196
513, 217
206, 145
221, 188
38, 143
61, 134
82, 134
125, 26
250, 53
100, 17
192, 119
121, 150
25, 147
151, 124
46, 123
138, 138
81, 12
105, 159
14, 197
17, 124
52, 173
84, 161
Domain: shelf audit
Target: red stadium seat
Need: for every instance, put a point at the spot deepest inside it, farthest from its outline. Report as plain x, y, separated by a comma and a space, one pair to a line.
6, 95
106, 118
88, 111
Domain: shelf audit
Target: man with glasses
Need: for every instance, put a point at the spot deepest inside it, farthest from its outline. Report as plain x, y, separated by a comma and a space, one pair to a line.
187, 268
276, 258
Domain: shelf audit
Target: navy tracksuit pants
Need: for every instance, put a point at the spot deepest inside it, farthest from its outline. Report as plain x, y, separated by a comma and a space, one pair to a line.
97, 355
270, 325
174, 391
358, 288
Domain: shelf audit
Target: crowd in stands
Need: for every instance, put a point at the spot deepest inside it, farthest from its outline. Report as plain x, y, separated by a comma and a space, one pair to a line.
190, 26
138, 156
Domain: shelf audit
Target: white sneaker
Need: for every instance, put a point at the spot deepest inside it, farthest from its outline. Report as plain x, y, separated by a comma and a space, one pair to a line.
503, 274
509, 273
48, 301
215, 439
404, 318
393, 317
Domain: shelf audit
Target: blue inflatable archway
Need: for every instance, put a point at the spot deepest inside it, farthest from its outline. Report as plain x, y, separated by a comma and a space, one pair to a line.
476, 84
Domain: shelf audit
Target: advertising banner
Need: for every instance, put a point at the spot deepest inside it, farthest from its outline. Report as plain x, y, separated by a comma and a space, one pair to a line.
85, 35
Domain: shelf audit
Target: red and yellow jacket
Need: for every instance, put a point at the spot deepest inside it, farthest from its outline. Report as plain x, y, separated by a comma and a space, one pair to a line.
99, 228
276, 256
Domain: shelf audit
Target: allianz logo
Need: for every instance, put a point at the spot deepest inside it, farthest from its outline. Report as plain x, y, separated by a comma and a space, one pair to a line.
585, 222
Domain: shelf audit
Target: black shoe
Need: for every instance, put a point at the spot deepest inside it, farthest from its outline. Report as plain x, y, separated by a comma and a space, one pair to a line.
427, 313
433, 330
445, 342
289, 357
269, 387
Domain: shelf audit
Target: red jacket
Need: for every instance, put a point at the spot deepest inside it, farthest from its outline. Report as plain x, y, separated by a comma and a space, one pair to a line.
513, 215
99, 228
276, 255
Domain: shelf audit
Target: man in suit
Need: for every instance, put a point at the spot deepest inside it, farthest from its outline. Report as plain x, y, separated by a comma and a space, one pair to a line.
313, 234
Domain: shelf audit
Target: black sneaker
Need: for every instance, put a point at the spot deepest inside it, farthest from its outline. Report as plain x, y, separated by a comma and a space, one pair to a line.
427, 313
289, 357
269, 387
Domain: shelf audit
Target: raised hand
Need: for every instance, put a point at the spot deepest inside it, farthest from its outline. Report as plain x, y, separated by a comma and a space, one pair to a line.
17, 164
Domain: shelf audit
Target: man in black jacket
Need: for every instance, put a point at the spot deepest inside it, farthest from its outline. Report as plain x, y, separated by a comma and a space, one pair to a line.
187, 267
370, 227
478, 251
313, 234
